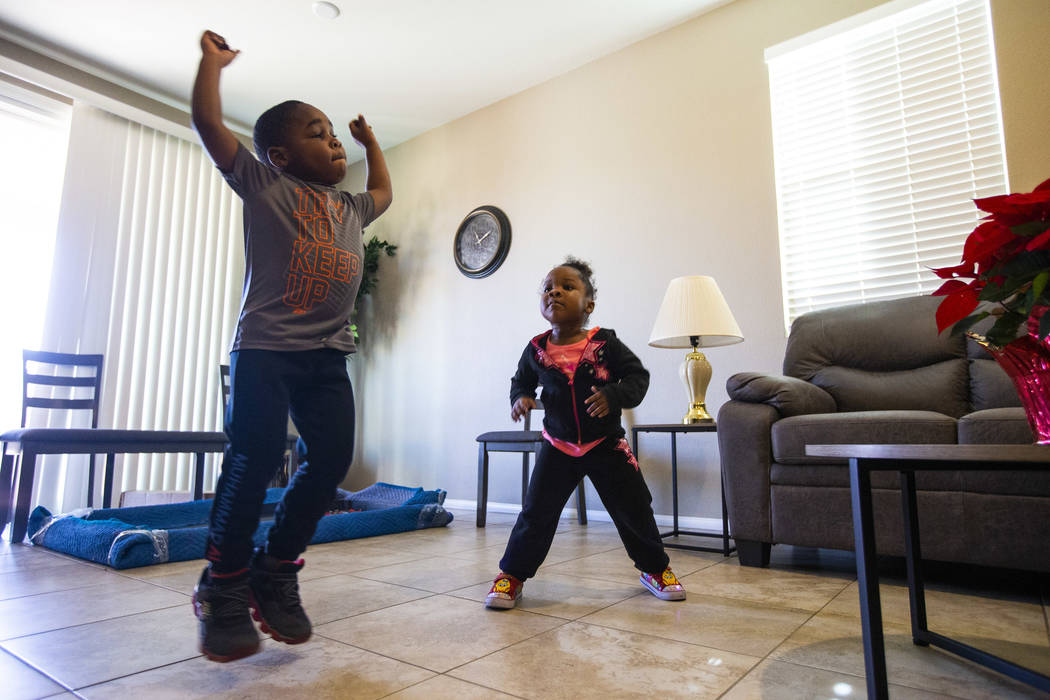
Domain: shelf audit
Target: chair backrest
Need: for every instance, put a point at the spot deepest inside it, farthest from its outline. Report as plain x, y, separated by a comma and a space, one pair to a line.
528, 416
60, 373
224, 385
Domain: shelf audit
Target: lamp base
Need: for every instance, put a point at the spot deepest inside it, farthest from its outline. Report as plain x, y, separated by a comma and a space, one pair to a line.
697, 414
696, 373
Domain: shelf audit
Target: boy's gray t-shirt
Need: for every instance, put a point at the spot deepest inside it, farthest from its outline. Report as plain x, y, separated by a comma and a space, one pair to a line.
303, 259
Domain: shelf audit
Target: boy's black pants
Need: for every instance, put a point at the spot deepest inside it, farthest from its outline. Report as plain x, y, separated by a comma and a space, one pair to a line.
614, 472
264, 386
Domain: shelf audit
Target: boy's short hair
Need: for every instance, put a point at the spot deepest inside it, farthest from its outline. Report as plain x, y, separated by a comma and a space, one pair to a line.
270, 126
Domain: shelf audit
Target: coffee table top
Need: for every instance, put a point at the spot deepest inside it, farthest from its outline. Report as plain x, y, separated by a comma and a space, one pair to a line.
942, 453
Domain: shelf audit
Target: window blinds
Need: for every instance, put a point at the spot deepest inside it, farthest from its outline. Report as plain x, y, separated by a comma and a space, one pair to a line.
883, 134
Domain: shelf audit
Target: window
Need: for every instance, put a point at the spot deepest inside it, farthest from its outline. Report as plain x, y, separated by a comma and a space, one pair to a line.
34, 129
885, 127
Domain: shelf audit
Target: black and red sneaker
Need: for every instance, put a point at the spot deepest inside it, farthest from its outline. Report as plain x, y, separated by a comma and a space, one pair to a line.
225, 630
275, 603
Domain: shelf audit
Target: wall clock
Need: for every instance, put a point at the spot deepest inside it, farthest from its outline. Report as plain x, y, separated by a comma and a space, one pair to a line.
481, 242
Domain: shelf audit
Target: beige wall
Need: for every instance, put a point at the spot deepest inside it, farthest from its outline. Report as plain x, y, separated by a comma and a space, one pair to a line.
651, 163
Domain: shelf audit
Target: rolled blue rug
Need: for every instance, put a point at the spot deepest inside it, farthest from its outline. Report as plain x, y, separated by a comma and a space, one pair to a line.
144, 535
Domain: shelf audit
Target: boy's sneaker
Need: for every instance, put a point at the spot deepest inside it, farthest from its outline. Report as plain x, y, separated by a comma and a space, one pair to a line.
665, 586
226, 631
504, 593
275, 599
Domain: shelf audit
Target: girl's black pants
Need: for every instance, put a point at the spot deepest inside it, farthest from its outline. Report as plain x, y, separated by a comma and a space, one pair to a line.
614, 472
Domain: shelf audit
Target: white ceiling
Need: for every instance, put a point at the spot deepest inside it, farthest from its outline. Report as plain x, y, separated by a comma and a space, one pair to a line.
407, 65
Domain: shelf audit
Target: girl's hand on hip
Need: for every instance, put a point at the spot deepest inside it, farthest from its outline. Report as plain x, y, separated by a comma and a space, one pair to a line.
597, 404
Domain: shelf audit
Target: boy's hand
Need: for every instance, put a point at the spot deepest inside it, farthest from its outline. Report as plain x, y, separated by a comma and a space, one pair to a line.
521, 407
214, 45
362, 132
597, 404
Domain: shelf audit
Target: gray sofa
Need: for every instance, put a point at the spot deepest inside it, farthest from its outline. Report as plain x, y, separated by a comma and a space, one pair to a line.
879, 373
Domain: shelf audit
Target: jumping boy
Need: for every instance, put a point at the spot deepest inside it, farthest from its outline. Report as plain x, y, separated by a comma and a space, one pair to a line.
303, 256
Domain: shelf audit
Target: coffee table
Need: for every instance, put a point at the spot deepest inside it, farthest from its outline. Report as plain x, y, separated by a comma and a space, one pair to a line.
907, 459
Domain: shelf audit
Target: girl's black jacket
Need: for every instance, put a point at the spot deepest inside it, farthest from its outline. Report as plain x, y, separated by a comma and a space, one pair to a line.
606, 363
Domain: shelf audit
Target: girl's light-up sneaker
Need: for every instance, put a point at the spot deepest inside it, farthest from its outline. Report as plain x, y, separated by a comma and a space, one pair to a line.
504, 593
665, 586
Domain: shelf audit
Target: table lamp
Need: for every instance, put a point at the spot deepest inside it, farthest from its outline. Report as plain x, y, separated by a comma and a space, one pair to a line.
694, 314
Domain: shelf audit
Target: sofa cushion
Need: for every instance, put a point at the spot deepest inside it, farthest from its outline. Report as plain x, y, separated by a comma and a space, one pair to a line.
883, 355
995, 426
791, 435
940, 387
990, 386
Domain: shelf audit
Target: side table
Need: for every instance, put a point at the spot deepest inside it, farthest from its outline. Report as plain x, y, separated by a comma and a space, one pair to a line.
674, 429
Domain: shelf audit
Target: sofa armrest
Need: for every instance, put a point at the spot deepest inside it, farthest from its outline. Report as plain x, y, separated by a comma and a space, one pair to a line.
790, 396
745, 449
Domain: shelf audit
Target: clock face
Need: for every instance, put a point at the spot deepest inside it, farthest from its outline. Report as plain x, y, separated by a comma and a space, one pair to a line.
481, 242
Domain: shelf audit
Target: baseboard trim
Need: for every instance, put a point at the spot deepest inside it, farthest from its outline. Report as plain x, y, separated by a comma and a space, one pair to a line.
710, 525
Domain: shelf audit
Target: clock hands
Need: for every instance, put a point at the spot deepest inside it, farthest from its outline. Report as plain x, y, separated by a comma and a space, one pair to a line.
483, 237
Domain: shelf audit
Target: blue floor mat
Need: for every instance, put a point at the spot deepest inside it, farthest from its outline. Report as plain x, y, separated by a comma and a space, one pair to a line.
140, 536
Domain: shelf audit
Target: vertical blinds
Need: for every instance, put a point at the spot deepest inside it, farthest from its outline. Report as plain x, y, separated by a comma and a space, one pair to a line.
147, 271
883, 134
174, 303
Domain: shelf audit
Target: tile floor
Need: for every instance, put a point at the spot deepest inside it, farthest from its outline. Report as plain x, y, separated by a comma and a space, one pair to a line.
401, 617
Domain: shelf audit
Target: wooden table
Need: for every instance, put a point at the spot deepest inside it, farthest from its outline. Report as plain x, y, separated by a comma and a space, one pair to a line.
907, 459
23, 446
674, 429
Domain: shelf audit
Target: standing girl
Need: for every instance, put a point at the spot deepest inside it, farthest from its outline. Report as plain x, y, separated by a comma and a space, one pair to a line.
587, 376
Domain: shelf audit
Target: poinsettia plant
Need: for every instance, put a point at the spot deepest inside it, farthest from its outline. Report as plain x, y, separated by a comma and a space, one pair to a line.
1005, 269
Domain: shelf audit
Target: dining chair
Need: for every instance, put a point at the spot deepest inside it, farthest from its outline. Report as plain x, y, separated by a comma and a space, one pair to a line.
53, 381
527, 442
291, 457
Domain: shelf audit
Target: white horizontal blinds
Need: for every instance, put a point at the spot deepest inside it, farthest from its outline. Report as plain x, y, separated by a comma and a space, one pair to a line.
174, 302
883, 135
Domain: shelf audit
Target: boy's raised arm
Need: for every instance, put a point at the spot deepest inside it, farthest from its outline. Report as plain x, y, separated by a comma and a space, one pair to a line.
378, 181
206, 106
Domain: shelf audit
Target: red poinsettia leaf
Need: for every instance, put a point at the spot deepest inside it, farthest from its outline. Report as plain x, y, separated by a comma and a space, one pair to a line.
1040, 242
949, 287
964, 270
986, 240
1045, 185
1032, 205
955, 307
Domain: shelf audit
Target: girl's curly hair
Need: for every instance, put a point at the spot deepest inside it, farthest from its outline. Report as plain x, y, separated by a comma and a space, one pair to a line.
586, 274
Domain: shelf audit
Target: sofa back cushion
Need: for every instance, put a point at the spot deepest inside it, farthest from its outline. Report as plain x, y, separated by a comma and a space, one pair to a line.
990, 387
885, 355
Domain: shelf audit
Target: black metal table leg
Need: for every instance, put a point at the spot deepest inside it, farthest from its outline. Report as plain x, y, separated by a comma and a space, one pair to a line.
913, 558
674, 482
725, 515
868, 580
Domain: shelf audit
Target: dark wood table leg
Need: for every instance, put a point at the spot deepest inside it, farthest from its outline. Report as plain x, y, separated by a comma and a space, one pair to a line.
7, 486
483, 484
198, 477
868, 581
23, 495
107, 480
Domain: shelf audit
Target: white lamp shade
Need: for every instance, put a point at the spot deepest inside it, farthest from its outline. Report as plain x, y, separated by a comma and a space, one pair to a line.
694, 306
